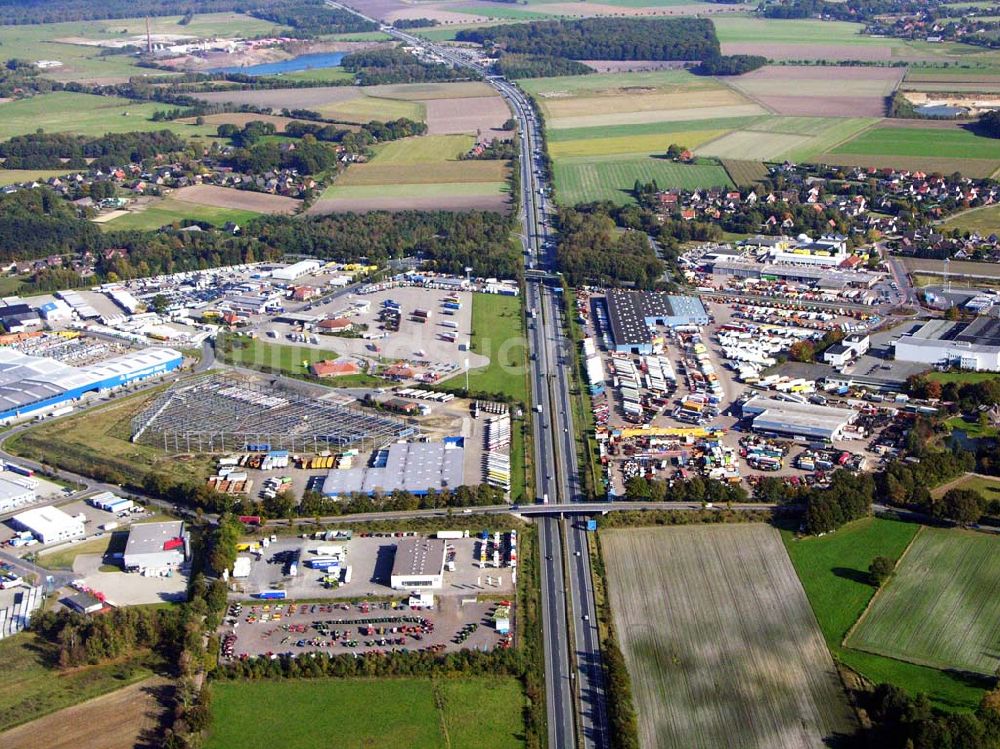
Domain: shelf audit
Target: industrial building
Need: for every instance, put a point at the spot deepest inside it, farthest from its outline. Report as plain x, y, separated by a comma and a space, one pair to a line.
13, 493
974, 345
829, 250
418, 564
847, 350
632, 315
817, 276
30, 384
415, 467
799, 421
16, 318
50, 524
232, 413
295, 270
155, 548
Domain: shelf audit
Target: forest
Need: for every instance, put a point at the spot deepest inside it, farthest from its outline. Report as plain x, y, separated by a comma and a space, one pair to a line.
604, 38
374, 67
313, 17
538, 66
56, 11
590, 250
64, 150
729, 64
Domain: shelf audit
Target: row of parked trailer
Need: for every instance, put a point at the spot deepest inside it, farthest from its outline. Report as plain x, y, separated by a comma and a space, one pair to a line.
425, 395
750, 348
496, 457
498, 549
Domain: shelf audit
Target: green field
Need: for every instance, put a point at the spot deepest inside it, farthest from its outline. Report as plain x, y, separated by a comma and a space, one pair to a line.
653, 144
987, 487
962, 378
568, 134
31, 687
461, 713
833, 571
367, 108
972, 429
87, 114
15, 176
985, 220
611, 178
497, 332
930, 142
795, 31
425, 148
941, 606
168, 211
100, 438
292, 360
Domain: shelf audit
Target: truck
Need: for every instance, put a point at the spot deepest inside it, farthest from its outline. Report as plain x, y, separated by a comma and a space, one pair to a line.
452, 534
271, 595
13, 467
538, 408
109, 526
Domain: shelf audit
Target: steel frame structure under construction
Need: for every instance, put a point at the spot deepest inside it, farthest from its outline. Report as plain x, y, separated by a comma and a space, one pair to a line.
231, 414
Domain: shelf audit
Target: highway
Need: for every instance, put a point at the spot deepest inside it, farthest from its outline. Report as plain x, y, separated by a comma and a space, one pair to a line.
575, 699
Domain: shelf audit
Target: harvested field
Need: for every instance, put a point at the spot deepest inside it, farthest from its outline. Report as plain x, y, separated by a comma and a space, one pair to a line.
821, 91
794, 138
382, 202
651, 128
121, 720
750, 144
638, 100
744, 173
244, 200
805, 51
480, 116
426, 91
941, 606
645, 118
979, 168
721, 644
291, 98
956, 267
422, 173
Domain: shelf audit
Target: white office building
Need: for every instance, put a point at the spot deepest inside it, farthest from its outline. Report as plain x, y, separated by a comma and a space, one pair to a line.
418, 565
14, 494
50, 524
155, 548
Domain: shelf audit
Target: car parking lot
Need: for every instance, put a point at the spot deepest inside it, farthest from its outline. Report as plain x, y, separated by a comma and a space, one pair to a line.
359, 627
370, 559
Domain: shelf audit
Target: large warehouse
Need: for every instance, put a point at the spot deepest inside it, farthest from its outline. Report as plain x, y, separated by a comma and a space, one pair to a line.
50, 524
632, 314
418, 564
410, 466
155, 548
801, 421
34, 383
14, 494
974, 345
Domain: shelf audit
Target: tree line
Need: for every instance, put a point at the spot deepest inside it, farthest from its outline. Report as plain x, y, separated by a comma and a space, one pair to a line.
58, 150
60, 11
313, 18
604, 38
538, 66
396, 65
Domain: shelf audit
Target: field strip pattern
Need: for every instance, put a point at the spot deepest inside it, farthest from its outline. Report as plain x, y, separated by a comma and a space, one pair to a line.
942, 606
721, 644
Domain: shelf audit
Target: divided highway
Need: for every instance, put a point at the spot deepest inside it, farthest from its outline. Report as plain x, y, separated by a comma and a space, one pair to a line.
576, 703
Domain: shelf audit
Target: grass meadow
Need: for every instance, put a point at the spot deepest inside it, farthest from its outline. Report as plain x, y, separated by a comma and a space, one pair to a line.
833, 570
31, 688
986, 220
717, 634
929, 142
168, 211
611, 178
391, 713
86, 114
941, 606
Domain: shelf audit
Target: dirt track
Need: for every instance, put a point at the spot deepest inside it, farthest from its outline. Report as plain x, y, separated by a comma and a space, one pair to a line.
124, 719
437, 203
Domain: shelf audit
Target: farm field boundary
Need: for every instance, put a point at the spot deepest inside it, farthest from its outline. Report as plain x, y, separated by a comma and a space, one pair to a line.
668, 587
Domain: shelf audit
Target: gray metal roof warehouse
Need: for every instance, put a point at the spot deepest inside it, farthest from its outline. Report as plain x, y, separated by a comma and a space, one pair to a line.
807, 420
411, 466
630, 314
